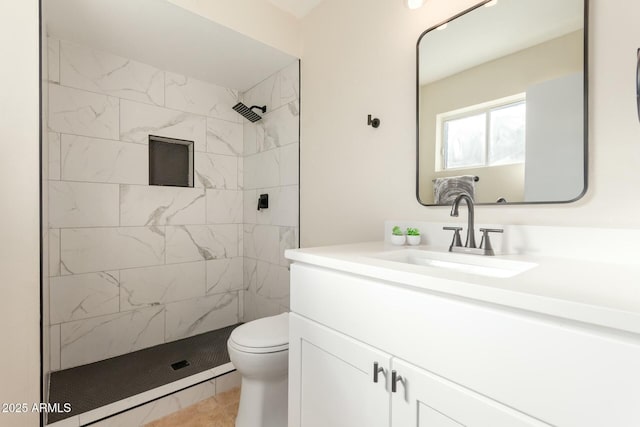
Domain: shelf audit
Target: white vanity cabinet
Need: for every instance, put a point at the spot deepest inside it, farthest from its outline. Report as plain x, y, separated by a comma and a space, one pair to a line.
423, 399
462, 362
334, 379
334, 384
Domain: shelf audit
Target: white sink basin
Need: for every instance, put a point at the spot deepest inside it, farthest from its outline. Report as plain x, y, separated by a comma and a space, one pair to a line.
489, 266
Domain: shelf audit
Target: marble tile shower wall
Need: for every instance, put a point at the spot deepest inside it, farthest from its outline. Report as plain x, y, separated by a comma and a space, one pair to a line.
271, 148
133, 265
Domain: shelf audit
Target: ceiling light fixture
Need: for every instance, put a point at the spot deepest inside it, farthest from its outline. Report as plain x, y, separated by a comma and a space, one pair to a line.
414, 4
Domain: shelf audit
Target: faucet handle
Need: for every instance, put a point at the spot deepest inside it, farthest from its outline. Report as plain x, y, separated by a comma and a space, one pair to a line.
457, 240
485, 243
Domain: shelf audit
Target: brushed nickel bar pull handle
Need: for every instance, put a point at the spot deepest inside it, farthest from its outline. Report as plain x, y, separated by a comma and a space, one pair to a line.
376, 370
395, 378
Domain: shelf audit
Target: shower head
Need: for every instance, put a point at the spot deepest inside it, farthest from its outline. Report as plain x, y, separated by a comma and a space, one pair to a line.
247, 112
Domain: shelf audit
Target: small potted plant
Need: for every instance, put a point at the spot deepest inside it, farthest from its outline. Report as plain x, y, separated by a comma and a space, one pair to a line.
413, 236
397, 236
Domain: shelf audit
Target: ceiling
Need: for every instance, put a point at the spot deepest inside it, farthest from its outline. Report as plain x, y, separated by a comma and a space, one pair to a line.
489, 33
166, 36
298, 8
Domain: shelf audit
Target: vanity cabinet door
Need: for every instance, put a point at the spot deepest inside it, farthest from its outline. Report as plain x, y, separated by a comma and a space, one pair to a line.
423, 399
331, 379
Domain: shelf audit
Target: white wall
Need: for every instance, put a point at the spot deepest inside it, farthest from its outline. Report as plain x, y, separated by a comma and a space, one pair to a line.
359, 58
19, 228
257, 19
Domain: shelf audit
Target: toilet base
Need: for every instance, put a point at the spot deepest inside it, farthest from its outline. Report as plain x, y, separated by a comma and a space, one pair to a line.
263, 403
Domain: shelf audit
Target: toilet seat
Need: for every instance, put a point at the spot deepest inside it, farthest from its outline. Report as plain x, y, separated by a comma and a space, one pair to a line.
267, 335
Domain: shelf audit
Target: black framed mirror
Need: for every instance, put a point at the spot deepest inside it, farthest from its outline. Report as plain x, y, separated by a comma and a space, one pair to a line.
502, 104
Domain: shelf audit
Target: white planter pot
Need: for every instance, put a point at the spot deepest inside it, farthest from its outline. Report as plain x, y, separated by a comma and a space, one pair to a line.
397, 240
413, 240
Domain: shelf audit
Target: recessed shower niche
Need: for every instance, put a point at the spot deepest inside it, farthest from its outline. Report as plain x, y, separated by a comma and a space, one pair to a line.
170, 162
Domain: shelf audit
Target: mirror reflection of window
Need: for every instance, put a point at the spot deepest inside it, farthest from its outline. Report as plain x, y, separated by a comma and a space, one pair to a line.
485, 135
507, 134
464, 141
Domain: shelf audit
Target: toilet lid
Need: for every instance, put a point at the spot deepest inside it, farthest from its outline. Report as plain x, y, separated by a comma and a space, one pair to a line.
266, 334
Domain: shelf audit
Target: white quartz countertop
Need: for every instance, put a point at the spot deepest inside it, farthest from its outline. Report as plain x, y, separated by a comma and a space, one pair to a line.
597, 293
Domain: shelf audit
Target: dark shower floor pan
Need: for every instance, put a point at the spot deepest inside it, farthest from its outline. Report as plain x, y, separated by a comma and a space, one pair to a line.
92, 386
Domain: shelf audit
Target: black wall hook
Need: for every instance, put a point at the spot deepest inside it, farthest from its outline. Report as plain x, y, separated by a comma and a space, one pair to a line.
375, 122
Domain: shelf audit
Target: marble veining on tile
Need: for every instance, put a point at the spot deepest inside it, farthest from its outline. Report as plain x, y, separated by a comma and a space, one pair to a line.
289, 84
249, 206
280, 127
288, 240
262, 170
54, 155
98, 71
187, 243
216, 171
54, 347
82, 296
53, 59
240, 173
224, 137
148, 286
267, 92
85, 250
195, 96
289, 161
182, 260
285, 206
196, 316
262, 242
224, 275
160, 205
79, 204
249, 273
224, 206
272, 282
249, 138
89, 340
138, 121
79, 112
257, 306
54, 252
102, 160
240, 240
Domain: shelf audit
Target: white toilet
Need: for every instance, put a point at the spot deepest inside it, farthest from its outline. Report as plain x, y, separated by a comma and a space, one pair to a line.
259, 350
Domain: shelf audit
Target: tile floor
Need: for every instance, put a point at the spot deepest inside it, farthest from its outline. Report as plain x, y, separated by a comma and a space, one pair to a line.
217, 411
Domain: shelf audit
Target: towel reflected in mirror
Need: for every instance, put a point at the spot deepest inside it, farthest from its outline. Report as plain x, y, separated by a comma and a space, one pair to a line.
445, 190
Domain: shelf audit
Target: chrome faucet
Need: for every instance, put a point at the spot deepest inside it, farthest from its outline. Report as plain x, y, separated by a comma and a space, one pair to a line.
471, 232
470, 244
